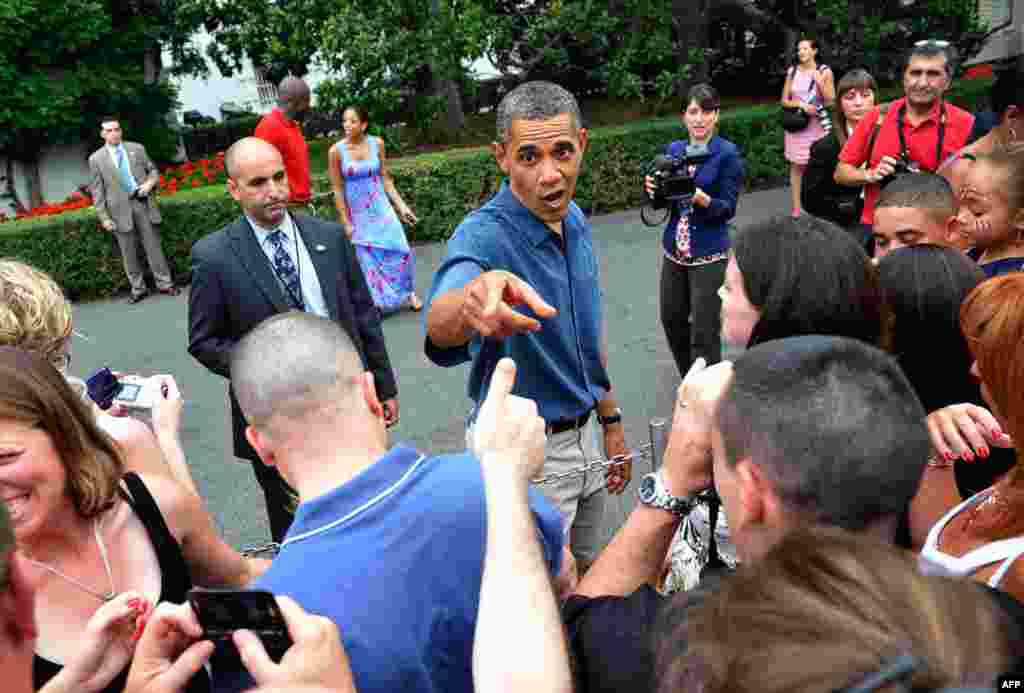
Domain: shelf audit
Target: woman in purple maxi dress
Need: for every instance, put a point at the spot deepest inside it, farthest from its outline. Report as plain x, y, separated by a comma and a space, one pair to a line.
362, 188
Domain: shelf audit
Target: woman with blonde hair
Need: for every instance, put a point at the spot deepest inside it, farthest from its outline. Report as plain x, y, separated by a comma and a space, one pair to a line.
103, 546
36, 316
826, 610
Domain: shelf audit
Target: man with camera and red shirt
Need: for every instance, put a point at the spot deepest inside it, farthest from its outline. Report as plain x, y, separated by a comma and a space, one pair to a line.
916, 132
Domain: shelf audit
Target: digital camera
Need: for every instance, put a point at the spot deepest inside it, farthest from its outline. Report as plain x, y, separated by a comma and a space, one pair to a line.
904, 164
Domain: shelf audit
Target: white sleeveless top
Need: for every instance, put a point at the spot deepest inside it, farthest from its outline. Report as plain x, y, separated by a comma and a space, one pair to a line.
1006, 550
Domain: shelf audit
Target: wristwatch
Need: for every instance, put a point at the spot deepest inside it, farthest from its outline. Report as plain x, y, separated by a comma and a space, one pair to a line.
653, 492
613, 419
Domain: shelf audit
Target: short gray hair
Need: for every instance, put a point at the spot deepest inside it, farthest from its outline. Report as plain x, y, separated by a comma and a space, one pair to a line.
291, 364
536, 101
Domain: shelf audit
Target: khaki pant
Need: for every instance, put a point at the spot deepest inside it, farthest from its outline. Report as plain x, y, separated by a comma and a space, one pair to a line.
582, 499
150, 238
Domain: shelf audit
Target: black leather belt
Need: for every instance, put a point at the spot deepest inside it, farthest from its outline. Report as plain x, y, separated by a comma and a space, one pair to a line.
563, 425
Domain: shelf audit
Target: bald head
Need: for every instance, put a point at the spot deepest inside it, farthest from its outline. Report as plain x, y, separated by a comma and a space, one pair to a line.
292, 365
245, 150
291, 88
293, 98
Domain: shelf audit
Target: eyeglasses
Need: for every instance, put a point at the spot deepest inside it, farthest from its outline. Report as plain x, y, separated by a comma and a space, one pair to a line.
932, 42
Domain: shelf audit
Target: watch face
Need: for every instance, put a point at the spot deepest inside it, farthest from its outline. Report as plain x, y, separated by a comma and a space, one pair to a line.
647, 489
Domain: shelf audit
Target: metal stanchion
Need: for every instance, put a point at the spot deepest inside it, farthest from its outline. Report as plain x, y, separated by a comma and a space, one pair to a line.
658, 429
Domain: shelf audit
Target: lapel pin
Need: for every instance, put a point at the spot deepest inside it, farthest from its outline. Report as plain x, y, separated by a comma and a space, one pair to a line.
320, 248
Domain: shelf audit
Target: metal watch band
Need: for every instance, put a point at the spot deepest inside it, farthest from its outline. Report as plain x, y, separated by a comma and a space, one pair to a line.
659, 496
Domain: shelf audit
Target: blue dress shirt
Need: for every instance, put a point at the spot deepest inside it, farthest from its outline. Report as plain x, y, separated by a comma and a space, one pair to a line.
559, 367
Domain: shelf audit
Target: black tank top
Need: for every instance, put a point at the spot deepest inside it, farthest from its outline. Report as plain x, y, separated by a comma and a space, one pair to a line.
174, 582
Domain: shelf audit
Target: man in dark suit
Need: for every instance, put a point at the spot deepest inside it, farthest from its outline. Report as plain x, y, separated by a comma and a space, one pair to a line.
270, 262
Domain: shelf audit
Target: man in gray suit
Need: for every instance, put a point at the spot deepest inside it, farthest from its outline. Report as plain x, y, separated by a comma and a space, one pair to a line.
124, 181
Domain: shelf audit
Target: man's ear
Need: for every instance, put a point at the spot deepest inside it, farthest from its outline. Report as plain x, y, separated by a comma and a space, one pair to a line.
582, 135
370, 395
260, 444
955, 236
750, 494
233, 189
500, 152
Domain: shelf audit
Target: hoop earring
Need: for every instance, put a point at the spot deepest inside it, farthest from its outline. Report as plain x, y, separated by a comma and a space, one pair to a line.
1013, 136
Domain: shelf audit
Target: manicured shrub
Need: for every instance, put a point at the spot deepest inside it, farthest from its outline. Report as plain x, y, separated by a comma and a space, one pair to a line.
442, 188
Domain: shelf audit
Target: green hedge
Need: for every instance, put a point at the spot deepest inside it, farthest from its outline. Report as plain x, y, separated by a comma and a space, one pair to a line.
441, 187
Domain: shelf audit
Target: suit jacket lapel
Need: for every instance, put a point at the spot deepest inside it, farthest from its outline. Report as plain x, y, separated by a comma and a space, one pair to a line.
324, 261
256, 264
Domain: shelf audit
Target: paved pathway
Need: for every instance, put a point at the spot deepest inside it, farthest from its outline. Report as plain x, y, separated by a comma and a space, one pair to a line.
151, 337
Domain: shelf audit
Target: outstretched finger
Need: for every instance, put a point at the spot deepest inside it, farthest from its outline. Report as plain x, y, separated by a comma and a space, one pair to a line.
514, 322
526, 294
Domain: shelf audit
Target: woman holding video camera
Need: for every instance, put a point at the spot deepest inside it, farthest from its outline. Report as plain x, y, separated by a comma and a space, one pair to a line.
696, 239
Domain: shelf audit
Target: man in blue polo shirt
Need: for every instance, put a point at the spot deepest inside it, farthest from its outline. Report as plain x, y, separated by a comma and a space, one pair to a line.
387, 542
531, 246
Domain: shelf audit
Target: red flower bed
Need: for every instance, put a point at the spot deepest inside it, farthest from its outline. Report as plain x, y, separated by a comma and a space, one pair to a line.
193, 174
172, 178
74, 201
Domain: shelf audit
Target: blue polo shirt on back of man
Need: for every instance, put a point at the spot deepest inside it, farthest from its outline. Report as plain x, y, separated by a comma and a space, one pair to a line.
395, 558
560, 366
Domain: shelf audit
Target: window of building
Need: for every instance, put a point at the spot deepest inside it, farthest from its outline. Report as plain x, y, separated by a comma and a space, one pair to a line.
266, 90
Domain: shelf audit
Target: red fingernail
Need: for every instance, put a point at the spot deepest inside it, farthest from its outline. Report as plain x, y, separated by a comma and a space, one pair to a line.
983, 451
968, 456
948, 456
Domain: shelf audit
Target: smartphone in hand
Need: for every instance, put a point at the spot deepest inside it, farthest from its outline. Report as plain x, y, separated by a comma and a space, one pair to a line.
222, 611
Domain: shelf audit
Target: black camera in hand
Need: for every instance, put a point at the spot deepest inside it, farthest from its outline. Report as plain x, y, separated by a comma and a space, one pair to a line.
904, 164
674, 182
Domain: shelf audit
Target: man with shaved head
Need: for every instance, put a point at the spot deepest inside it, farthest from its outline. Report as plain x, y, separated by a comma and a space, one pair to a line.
273, 261
282, 127
388, 542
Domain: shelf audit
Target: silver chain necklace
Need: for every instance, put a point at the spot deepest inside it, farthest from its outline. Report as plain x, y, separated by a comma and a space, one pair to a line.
77, 583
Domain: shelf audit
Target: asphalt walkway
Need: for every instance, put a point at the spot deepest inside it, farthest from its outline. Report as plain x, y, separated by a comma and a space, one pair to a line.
152, 336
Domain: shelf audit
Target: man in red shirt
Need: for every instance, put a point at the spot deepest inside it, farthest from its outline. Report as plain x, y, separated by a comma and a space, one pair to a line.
282, 127
932, 129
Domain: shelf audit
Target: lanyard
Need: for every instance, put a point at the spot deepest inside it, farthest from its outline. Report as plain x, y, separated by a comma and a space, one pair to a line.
904, 152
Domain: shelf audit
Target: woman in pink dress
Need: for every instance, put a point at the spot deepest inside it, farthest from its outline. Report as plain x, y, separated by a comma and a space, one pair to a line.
807, 87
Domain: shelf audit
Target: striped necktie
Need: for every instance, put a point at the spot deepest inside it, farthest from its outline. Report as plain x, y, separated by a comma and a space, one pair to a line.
285, 269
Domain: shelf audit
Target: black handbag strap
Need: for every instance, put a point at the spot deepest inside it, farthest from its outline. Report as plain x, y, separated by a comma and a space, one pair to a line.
714, 560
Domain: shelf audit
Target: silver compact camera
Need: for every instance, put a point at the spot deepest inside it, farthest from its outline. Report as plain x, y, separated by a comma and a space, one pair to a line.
138, 392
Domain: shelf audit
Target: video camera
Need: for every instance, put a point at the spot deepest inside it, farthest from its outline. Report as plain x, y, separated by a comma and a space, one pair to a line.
674, 183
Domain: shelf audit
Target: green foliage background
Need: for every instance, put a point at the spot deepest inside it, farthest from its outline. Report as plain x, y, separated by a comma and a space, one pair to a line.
441, 187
